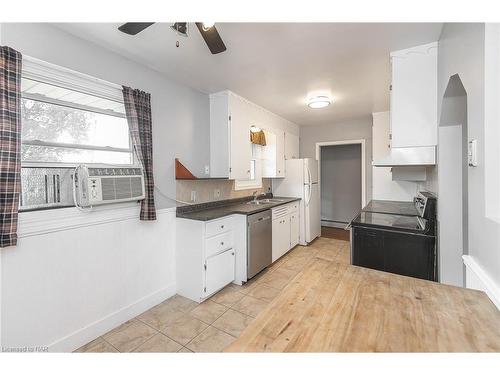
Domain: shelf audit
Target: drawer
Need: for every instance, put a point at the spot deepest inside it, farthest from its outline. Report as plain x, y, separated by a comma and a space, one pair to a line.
216, 227
280, 211
218, 243
293, 207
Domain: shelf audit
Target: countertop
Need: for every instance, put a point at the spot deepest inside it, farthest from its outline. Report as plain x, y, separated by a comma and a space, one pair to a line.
334, 307
206, 212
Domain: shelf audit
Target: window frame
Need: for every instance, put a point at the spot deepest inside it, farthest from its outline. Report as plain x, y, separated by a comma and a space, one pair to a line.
255, 183
43, 72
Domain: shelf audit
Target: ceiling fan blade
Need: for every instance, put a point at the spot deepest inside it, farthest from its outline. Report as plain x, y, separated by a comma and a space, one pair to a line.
212, 38
133, 28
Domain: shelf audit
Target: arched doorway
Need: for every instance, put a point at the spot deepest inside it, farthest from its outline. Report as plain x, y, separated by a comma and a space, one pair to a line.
453, 184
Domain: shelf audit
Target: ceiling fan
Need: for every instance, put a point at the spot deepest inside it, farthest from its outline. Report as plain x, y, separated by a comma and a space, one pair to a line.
208, 32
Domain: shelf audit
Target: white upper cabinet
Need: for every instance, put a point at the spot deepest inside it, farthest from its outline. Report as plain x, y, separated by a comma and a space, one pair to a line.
280, 153
231, 117
273, 156
291, 146
230, 147
414, 96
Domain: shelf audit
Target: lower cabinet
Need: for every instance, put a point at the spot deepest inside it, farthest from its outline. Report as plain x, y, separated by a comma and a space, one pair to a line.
219, 271
294, 229
206, 255
285, 226
281, 237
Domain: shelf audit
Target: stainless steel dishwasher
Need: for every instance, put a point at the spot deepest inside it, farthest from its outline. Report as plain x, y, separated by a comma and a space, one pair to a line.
259, 242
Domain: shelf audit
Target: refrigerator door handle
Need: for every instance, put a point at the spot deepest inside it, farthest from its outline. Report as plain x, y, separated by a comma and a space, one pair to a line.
310, 194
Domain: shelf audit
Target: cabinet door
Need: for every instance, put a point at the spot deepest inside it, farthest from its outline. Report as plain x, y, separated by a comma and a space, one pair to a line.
291, 146
284, 235
280, 153
269, 155
219, 271
240, 146
276, 228
294, 229
281, 237
414, 96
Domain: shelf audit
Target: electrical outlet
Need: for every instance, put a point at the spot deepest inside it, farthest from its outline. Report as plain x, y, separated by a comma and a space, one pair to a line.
193, 196
207, 169
217, 193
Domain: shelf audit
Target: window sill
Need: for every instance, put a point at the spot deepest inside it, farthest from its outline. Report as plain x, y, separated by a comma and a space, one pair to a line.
35, 223
243, 185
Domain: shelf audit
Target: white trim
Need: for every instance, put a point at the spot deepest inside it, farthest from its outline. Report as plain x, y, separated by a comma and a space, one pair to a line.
477, 278
40, 222
363, 158
43, 71
92, 331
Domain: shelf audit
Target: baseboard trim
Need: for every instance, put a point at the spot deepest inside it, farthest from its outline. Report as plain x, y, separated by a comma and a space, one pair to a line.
94, 330
477, 278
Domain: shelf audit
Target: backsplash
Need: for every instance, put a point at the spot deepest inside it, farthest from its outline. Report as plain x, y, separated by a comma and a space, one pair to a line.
205, 190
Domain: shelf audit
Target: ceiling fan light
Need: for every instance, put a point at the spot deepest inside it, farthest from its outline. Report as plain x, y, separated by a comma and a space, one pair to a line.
319, 102
207, 25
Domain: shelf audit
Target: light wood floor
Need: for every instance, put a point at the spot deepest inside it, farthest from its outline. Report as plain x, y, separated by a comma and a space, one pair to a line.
332, 306
181, 325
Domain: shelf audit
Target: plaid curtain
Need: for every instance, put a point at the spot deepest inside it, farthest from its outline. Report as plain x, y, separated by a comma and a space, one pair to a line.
10, 144
138, 110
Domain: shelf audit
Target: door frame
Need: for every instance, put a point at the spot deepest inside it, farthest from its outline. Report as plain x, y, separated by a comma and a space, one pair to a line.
363, 161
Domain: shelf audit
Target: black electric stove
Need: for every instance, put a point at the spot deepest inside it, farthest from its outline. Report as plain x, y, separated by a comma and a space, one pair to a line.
410, 224
397, 237
392, 207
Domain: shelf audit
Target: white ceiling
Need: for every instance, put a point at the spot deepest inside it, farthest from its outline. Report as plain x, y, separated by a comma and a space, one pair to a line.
277, 65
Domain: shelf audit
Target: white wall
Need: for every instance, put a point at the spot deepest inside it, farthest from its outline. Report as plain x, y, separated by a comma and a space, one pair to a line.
360, 128
74, 276
462, 52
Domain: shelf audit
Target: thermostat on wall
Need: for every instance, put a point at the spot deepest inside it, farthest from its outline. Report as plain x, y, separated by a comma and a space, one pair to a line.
473, 153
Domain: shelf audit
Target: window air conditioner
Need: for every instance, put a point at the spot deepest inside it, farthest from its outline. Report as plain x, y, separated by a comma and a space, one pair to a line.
102, 185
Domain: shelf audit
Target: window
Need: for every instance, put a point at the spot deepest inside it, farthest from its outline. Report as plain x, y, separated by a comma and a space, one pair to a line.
68, 118
255, 180
60, 125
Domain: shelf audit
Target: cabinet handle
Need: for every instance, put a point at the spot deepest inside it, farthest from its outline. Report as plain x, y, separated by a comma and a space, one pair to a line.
232, 253
222, 243
222, 226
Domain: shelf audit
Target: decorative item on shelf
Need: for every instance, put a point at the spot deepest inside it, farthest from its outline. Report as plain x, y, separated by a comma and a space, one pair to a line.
182, 173
257, 136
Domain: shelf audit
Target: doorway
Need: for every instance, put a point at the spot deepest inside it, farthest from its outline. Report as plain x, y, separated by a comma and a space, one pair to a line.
342, 180
453, 184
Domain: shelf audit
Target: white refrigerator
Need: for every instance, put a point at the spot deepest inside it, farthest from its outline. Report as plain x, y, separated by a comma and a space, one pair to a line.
302, 181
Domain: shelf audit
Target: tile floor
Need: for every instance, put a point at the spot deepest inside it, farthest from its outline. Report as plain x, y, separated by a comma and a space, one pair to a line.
181, 325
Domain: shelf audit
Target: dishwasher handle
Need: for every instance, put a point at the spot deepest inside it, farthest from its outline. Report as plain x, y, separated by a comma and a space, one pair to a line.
264, 218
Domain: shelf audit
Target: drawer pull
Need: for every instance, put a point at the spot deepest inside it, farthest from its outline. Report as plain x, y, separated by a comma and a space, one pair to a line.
222, 243
222, 226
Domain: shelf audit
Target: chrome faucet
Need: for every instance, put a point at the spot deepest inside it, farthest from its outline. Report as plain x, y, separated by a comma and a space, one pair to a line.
255, 195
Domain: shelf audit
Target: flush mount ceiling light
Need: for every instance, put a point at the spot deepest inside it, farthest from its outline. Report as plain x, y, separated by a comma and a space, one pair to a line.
319, 102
